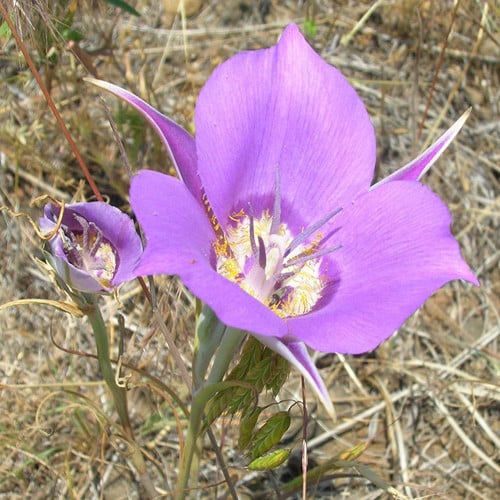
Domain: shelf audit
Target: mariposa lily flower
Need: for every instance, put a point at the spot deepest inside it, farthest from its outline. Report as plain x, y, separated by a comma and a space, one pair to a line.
274, 221
94, 246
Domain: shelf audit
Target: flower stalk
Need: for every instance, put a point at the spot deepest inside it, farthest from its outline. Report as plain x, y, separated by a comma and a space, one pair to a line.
210, 333
231, 342
118, 393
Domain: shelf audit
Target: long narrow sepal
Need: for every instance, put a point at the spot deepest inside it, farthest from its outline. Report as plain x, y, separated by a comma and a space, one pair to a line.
177, 141
296, 353
414, 170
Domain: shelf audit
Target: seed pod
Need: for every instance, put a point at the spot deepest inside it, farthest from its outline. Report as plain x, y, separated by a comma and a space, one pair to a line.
270, 461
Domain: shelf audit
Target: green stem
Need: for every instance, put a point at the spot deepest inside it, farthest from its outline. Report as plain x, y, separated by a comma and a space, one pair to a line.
193, 430
108, 374
200, 400
229, 344
118, 393
209, 333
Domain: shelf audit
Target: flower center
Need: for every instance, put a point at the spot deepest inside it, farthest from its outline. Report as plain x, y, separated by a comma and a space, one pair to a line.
88, 250
266, 260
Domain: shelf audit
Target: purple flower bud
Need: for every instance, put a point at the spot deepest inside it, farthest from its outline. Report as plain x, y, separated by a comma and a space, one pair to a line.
95, 247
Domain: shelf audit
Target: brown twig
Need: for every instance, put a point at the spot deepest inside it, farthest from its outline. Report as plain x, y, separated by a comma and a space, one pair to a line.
50, 102
437, 70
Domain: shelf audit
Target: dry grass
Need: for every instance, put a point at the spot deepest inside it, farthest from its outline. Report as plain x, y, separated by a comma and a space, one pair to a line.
427, 399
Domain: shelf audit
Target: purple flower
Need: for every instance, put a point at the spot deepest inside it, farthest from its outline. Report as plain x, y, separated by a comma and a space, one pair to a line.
274, 222
95, 247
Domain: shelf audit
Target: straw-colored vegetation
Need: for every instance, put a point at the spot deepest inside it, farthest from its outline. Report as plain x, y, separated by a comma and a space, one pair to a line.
426, 402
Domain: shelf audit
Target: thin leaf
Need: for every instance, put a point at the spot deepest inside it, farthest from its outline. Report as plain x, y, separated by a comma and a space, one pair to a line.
270, 434
279, 373
247, 426
124, 6
5, 31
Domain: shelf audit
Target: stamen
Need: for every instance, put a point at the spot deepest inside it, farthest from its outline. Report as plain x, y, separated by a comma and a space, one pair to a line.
71, 250
84, 224
305, 234
262, 253
280, 278
70, 245
68, 238
277, 203
253, 245
91, 235
98, 239
301, 260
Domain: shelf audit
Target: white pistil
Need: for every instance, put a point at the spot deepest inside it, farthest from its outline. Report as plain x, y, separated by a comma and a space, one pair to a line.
262, 263
282, 271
